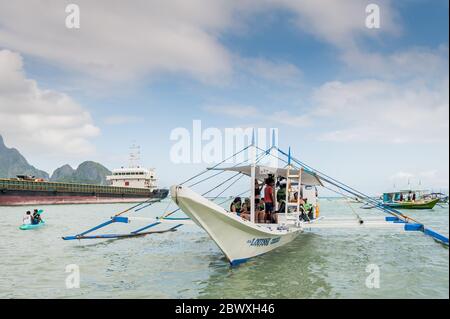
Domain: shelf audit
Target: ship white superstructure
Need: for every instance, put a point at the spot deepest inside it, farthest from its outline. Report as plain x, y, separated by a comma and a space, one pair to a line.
134, 176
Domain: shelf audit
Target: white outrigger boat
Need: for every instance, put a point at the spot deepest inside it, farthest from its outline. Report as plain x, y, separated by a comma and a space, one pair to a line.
240, 239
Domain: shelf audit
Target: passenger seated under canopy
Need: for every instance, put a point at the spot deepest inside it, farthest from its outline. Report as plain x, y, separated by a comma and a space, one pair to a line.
236, 206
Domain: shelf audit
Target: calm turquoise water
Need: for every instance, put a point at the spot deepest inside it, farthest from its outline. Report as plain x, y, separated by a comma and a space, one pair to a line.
187, 264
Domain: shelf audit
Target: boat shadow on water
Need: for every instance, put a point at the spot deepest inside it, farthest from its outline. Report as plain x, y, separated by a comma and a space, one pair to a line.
292, 271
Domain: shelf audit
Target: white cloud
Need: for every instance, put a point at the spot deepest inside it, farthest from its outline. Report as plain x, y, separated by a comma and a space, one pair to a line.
37, 120
384, 112
274, 71
416, 62
342, 22
118, 41
406, 101
431, 179
122, 119
247, 112
238, 111
402, 175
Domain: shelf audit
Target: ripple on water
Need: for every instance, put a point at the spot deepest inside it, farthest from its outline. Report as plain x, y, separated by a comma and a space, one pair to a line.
187, 264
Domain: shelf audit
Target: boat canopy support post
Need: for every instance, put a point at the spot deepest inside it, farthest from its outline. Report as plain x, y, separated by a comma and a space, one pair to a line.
253, 179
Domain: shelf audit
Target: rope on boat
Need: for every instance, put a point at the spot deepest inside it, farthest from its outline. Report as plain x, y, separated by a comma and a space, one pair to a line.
258, 159
150, 202
207, 170
397, 214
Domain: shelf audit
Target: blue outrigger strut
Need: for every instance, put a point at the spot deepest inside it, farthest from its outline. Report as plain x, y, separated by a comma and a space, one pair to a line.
116, 219
120, 219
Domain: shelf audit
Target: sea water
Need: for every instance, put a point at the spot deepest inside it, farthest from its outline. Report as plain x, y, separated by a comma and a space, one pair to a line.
328, 263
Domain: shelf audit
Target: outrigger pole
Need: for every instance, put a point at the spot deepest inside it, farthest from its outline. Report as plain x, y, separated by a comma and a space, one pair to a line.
118, 219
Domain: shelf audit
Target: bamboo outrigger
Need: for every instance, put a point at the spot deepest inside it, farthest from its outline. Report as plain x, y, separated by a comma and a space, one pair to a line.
241, 239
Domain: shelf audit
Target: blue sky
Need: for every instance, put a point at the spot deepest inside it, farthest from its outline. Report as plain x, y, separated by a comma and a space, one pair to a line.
368, 106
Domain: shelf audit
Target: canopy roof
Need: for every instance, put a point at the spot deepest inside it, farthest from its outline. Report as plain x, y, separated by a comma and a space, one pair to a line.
262, 172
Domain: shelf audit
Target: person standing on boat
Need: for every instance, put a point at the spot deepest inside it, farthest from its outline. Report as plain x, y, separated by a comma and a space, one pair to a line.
26, 220
281, 194
268, 198
281, 199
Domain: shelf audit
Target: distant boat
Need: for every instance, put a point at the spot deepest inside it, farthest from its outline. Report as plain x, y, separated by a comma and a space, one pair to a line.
409, 199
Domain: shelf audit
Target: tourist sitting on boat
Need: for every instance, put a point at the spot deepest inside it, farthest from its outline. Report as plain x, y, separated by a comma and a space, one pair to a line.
307, 210
260, 211
414, 197
245, 211
26, 220
302, 201
236, 206
401, 197
268, 198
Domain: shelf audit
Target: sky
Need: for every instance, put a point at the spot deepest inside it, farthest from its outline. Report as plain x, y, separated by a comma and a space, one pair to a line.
368, 106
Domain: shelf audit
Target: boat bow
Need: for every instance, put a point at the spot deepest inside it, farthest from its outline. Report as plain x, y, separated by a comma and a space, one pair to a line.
238, 238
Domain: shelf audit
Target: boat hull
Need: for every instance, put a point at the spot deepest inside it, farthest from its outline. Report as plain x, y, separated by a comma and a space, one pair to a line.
414, 205
238, 239
31, 226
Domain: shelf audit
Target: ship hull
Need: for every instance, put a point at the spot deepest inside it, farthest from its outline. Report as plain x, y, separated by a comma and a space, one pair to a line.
19, 198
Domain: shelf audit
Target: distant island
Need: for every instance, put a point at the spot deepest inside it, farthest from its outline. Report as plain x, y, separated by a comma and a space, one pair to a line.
13, 163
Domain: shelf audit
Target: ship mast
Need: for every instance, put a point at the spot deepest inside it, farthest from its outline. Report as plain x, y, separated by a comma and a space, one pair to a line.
135, 156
